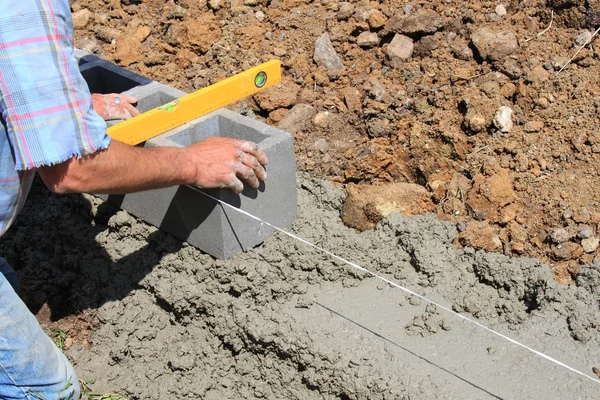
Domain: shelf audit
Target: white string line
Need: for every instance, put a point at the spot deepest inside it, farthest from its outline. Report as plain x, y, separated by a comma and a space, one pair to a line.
513, 341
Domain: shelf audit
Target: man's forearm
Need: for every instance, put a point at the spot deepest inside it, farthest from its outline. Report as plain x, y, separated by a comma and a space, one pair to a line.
120, 169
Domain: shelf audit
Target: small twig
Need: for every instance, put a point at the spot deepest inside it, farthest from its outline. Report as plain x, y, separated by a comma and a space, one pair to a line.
460, 192
578, 50
545, 30
467, 78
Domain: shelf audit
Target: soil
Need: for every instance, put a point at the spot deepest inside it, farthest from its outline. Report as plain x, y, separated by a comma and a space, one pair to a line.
398, 107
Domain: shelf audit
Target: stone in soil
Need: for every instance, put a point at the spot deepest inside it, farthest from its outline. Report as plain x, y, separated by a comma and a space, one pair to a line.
422, 22
326, 57
399, 50
503, 119
366, 205
494, 46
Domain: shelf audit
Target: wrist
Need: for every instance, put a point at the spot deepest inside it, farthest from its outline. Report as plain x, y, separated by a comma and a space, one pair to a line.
188, 168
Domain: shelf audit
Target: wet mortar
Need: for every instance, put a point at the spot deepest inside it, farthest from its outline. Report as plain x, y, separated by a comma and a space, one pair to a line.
285, 321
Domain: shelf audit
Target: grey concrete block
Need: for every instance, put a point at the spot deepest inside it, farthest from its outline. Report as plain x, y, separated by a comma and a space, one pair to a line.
202, 222
79, 54
153, 95
105, 77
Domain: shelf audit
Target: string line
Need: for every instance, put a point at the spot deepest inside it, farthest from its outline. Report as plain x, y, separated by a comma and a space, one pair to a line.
407, 290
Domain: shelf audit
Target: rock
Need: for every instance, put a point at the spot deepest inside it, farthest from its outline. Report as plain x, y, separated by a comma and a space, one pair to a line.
376, 90
321, 119
215, 4
533, 126
581, 215
461, 50
366, 205
542, 102
322, 145
376, 19
490, 194
198, 34
566, 251
585, 232
284, 94
260, 16
494, 46
501, 10
538, 75
480, 235
297, 119
583, 37
352, 98
361, 15
518, 237
508, 90
559, 235
408, 9
590, 244
499, 189
89, 45
421, 23
326, 57
509, 213
176, 12
345, 11
475, 123
399, 50
81, 18
142, 33
107, 34
129, 50
425, 46
277, 115
379, 127
367, 39
512, 69
503, 120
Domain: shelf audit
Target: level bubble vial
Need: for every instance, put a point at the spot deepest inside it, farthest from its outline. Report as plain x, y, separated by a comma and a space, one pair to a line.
260, 79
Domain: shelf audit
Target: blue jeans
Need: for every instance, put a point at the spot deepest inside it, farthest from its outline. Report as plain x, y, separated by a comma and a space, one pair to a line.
31, 366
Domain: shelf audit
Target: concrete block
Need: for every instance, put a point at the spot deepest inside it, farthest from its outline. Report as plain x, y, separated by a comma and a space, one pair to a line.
79, 54
105, 77
153, 95
202, 222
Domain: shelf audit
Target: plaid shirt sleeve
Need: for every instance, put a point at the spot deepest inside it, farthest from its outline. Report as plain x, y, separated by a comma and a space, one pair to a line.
45, 102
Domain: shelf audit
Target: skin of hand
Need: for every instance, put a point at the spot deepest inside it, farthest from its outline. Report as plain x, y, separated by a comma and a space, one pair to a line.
114, 106
222, 162
211, 163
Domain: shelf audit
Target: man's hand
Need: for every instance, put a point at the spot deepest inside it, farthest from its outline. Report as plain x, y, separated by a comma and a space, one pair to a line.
114, 106
225, 162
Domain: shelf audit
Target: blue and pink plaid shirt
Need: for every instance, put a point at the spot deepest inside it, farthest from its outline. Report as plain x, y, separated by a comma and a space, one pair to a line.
47, 114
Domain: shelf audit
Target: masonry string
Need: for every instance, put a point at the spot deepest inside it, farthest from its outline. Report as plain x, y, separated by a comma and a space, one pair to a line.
407, 290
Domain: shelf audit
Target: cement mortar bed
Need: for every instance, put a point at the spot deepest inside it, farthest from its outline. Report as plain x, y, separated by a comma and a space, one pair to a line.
284, 321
